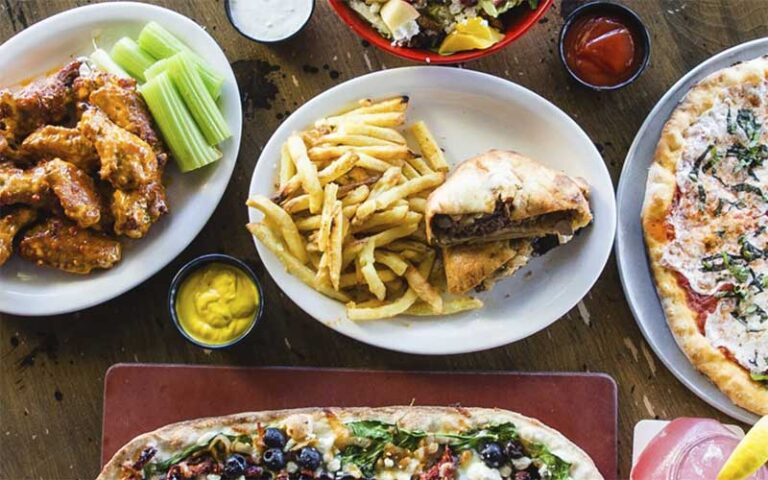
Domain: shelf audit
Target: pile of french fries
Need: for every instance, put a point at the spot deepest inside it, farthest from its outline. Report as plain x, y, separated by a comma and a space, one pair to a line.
348, 216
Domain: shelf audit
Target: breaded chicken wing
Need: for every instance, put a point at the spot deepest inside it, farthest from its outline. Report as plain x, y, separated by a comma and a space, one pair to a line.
136, 210
53, 185
29, 187
75, 191
10, 224
127, 110
127, 161
60, 244
48, 100
68, 144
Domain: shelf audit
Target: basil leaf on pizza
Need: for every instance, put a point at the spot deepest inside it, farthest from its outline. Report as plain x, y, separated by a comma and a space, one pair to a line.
705, 219
394, 443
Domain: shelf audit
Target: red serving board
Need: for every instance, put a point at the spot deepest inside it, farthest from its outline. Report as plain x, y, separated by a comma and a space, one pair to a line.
139, 398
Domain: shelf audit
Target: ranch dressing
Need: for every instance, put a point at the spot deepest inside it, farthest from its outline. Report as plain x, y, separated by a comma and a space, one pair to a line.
269, 20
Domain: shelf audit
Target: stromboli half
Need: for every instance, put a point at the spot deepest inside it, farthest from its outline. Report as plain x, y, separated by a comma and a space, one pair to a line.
502, 195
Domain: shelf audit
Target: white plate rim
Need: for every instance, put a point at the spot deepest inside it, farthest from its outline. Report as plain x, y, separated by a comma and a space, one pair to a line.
79, 303
686, 373
282, 132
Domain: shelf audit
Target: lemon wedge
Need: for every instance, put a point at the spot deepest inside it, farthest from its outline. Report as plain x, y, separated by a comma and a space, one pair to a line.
751, 453
471, 34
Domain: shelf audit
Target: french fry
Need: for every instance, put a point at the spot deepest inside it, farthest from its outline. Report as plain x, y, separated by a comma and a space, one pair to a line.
326, 215
420, 165
348, 280
386, 218
338, 167
351, 140
387, 198
382, 152
392, 260
307, 171
402, 245
336, 243
385, 119
397, 104
388, 310
287, 168
388, 134
371, 163
284, 222
358, 195
417, 204
296, 204
429, 147
367, 268
388, 180
292, 264
423, 289
409, 172
450, 307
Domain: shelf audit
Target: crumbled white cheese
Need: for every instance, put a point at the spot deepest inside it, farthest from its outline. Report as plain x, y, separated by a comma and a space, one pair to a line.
405, 32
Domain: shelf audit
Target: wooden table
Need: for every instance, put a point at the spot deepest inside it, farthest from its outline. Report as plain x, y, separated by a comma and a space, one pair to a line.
52, 369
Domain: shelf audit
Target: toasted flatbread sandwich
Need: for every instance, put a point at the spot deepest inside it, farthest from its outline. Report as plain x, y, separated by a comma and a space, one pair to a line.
479, 265
502, 195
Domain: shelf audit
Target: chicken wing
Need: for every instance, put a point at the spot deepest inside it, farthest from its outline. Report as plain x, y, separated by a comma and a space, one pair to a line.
10, 224
127, 110
60, 244
75, 191
68, 144
48, 100
29, 187
127, 161
136, 210
54, 185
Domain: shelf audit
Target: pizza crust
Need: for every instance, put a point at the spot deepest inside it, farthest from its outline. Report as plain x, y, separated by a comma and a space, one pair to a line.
729, 377
174, 437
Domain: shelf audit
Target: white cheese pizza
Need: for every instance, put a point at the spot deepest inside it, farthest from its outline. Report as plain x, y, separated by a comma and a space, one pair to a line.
389, 443
706, 229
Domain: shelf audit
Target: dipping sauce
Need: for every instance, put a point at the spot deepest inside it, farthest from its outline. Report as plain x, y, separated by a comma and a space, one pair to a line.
602, 49
216, 303
269, 20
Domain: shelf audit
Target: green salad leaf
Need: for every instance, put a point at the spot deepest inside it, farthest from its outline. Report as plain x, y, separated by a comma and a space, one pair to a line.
759, 377
558, 468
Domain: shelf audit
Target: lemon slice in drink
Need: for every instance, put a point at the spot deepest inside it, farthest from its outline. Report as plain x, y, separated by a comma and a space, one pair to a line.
750, 454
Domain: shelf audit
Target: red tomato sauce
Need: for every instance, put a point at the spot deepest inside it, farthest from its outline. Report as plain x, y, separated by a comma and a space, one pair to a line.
703, 305
602, 50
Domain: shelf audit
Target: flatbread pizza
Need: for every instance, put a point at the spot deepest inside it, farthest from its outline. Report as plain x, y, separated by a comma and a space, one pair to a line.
706, 229
390, 443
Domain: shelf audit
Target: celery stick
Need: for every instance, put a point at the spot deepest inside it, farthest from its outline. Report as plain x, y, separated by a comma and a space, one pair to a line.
131, 57
187, 144
187, 81
157, 68
103, 61
161, 43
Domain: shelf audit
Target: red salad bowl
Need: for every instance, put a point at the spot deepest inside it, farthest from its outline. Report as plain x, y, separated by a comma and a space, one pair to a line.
519, 21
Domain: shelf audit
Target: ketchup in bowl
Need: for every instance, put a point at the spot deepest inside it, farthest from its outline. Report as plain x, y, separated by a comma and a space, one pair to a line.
688, 449
604, 45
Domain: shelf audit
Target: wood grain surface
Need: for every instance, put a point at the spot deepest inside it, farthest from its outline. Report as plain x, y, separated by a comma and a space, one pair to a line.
52, 369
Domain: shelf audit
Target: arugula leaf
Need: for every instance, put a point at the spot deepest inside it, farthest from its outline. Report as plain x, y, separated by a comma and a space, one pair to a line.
558, 468
759, 377
378, 435
474, 439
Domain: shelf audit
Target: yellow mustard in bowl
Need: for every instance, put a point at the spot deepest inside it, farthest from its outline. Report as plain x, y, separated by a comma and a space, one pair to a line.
216, 303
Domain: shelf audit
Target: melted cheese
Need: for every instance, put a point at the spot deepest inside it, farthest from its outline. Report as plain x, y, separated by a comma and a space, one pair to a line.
720, 206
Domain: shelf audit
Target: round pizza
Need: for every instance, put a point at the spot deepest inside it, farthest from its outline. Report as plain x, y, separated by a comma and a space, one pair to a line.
389, 443
706, 228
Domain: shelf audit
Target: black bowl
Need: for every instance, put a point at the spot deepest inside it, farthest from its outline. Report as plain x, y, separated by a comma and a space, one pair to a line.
193, 265
259, 40
634, 23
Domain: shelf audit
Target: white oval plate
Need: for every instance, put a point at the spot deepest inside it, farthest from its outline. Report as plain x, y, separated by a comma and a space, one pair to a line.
631, 256
30, 290
469, 113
